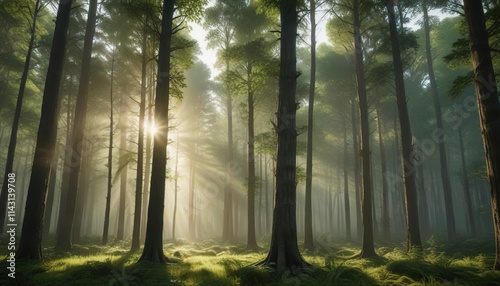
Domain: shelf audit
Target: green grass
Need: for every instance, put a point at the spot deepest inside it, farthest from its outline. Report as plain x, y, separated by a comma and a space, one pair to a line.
214, 263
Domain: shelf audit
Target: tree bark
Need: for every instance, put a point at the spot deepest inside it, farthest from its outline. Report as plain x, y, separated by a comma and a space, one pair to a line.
284, 252
15, 124
445, 178
465, 181
411, 201
227, 228
124, 166
308, 232
386, 227
153, 246
347, 206
31, 236
367, 244
251, 237
63, 242
50, 195
489, 107
107, 209
136, 232
355, 146
176, 177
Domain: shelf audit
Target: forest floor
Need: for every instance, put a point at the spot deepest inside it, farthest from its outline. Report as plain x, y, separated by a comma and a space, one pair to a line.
214, 263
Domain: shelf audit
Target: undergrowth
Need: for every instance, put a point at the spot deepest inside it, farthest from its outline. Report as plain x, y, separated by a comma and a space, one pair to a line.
214, 263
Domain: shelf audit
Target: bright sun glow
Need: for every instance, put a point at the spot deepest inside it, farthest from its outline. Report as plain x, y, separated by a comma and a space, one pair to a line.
150, 128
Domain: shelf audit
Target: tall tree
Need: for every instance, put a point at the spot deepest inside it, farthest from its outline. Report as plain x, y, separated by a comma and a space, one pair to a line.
488, 105
153, 246
17, 116
368, 249
107, 208
445, 177
64, 238
284, 251
31, 236
409, 169
308, 238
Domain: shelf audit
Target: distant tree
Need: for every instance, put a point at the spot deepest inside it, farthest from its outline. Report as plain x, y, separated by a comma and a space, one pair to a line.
31, 235
489, 106
284, 252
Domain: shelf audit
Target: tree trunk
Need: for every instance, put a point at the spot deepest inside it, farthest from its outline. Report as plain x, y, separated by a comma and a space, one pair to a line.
153, 246
251, 238
176, 177
489, 107
448, 197
367, 248
347, 206
355, 146
227, 227
136, 232
110, 155
50, 195
284, 251
63, 242
15, 124
124, 166
192, 182
31, 236
386, 229
308, 232
81, 198
465, 181
411, 201
423, 205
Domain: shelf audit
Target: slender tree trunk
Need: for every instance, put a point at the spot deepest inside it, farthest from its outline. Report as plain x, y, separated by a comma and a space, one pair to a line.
261, 188
411, 200
176, 177
386, 229
284, 251
448, 197
367, 248
15, 124
110, 155
192, 182
268, 216
124, 166
465, 178
347, 206
423, 205
354, 120
136, 232
81, 198
63, 241
31, 236
153, 246
147, 171
308, 232
50, 195
251, 237
489, 107
227, 228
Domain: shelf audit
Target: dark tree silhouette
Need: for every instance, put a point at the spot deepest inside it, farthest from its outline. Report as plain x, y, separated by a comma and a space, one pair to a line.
489, 106
31, 237
284, 251
153, 246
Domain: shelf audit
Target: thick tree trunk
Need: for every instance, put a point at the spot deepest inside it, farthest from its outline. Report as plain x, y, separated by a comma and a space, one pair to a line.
284, 251
31, 236
367, 244
445, 178
489, 107
386, 229
308, 231
15, 124
107, 209
136, 232
63, 242
411, 200
153, 246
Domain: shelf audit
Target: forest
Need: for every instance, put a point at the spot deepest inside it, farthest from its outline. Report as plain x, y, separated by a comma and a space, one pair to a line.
249, 142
